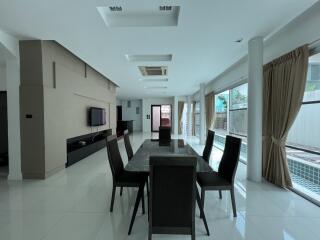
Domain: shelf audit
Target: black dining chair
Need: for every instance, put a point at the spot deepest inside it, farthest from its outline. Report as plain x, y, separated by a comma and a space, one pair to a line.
127, 144
129, 150
164, 134
123, 178
172, 195
208, 147
224, 178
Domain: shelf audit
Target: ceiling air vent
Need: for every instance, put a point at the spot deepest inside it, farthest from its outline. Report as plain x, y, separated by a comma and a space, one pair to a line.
153, 71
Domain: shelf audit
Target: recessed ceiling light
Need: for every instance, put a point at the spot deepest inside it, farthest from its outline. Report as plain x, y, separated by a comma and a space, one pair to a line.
155, 87
153, 80
115, 8
165, 8
135, 16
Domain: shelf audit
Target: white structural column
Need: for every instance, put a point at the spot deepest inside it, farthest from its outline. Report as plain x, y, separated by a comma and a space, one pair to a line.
202, 114
175, 115
255, 91
189, 116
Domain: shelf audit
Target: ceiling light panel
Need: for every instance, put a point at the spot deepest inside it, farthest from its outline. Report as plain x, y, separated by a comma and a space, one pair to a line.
139, 16
155, 80
149, 58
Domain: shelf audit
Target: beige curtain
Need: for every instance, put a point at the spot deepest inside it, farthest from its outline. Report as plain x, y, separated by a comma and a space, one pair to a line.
284, 85
180, 112
209, 105
193, 118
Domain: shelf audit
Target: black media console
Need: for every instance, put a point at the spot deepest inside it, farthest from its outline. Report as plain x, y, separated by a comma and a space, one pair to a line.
83, 146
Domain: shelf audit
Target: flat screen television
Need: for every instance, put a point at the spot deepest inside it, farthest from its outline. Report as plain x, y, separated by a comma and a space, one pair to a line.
96, 116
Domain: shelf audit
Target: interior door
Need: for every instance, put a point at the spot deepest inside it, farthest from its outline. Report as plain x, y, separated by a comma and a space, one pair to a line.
166, 115
155, 117
160, 116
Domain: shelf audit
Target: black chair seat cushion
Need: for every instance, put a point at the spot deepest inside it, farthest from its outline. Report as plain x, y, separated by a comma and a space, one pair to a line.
209, 179
131, 177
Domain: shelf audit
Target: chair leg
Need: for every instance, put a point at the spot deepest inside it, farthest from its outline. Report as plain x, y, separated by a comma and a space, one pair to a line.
143, 206
136, 205
220, 194
202, 212
202, 200
148, 197
121, 189
112, 197
147, 188
233, 203
193, 231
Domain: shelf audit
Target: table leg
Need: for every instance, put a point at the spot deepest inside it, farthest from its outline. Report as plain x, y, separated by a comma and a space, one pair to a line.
136, 205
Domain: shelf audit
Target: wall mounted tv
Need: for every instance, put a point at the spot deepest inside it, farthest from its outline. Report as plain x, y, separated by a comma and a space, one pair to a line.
96, 116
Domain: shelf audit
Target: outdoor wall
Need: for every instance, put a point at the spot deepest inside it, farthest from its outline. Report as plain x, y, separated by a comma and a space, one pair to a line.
146, 110
130, 113
56, 89
305, 130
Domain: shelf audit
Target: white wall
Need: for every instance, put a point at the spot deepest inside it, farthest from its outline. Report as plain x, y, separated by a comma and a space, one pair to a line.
129, 113
9, 50
303, 30
3, 84
146, 110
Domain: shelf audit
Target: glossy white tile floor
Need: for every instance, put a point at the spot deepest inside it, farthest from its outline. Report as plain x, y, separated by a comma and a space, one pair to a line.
74, 204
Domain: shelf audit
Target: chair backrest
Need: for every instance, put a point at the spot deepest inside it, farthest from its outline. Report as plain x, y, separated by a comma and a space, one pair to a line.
230, 158
172, 194
164, 133
114, 156
208, 147
127, 144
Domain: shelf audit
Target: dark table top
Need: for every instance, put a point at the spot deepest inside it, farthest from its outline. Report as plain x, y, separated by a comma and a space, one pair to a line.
176, 147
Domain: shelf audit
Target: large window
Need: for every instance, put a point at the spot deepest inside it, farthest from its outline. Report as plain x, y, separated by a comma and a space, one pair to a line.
303, 142
221, 112
197, 119
238, 110
231, 117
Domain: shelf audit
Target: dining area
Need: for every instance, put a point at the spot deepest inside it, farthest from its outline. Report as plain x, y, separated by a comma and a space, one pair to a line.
171, 180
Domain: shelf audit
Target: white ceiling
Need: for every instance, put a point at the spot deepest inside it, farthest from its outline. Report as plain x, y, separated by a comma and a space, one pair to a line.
202, 44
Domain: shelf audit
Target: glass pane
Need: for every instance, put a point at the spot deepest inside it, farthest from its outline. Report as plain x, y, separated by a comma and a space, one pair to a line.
312, 92
166, 115
221, 116
305, 130
155, 118
238, 122
221, 102
303, 151
239, 97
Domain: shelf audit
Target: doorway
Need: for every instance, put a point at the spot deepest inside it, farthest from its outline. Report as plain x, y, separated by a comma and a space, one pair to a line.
3, 134
160, 116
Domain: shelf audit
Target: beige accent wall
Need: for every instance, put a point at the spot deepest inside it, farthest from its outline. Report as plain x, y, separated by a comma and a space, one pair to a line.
57, 90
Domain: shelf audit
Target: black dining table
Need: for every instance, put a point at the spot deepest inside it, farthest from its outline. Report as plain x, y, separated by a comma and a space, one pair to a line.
176, 147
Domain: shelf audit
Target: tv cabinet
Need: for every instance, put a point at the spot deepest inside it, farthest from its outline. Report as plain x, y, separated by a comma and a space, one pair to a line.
82, 146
